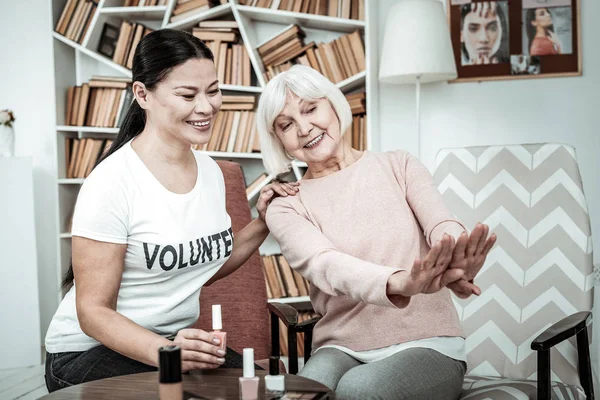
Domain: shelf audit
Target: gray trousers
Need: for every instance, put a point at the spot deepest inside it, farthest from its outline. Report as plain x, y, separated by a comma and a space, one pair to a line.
413, 374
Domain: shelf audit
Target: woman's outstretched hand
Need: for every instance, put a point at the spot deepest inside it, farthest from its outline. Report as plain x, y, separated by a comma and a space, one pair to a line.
428, 275
469, 255
272, 190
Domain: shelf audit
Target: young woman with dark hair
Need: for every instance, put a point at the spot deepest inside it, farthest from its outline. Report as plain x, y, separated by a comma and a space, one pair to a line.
150, 228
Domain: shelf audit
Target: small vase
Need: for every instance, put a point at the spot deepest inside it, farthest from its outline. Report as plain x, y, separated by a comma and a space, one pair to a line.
7, 141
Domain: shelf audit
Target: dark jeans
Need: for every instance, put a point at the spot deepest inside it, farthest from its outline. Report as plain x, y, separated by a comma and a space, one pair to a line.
73, 368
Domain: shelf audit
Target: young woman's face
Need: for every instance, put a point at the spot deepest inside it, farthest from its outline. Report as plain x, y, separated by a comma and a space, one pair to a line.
308, 130
481, 34
187, 101
543, 18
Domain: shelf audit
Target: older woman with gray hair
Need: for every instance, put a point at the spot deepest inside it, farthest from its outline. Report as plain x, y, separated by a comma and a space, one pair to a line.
372, 235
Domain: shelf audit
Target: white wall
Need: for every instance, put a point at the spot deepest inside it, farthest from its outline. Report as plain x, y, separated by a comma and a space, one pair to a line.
27, 87
505, 112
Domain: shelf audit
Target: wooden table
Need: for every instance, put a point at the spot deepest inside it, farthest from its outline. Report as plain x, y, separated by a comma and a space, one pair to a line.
217, 384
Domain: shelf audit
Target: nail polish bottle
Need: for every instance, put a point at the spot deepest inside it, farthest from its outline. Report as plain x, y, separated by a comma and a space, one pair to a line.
217, 325
169, 376
248, 382
274, 383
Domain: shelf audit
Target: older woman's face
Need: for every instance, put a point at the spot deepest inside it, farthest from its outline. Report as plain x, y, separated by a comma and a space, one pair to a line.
309, 130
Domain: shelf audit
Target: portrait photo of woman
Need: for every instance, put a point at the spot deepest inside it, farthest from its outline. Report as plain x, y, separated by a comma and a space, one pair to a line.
547, 31
484, 33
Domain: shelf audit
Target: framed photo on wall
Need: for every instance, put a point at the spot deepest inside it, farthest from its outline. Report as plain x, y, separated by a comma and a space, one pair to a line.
515, 39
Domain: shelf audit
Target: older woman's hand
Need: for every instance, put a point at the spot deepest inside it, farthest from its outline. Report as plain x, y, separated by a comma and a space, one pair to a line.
469, 255
272, 190
428, 275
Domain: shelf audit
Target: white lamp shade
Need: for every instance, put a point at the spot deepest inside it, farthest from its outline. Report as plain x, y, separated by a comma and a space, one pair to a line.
417, 44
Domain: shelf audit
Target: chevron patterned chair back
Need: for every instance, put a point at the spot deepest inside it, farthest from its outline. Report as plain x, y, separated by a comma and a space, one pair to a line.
539, 272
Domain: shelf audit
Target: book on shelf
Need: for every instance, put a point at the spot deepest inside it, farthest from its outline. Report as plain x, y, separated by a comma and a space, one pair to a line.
231, 58
81, 155
348, 9
130, 35
100, 102
257, 182
186, 8
75, 19
144, 3
338, 59
281, 280
283, 334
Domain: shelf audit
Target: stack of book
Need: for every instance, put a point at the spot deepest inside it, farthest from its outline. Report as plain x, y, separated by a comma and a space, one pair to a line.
283, 339
144, 3
349, 9
186, 8
337, 60
82, 154
231, 59
101, 102
130, 35
356, 135
281, 279
76, 18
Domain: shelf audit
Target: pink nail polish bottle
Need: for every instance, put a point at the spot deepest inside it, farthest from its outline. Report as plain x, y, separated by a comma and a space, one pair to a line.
217, 325
248, 382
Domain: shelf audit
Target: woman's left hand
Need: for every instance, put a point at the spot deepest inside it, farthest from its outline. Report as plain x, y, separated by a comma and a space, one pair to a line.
469, 255
272, 190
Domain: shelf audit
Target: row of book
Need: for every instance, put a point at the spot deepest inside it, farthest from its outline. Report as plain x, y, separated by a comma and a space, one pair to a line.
283, 338
76, 18
81, 155
233, 128
130, 35
144, 3
232, 61
185, 8
281, 279
337, 60
349, 9
101, 102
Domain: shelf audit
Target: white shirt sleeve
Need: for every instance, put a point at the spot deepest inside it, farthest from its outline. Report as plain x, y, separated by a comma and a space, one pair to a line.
101, 212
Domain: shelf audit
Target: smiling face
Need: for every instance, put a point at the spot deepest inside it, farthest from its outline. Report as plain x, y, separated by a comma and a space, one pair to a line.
481, 34
185, 103
308, 129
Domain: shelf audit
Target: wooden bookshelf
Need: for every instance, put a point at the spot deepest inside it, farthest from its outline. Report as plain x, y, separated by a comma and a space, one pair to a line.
77, 61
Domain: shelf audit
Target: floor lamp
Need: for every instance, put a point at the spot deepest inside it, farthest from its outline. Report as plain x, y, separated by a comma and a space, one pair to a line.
417, 47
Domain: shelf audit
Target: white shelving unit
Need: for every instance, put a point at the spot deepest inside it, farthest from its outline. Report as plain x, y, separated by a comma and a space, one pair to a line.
75, 64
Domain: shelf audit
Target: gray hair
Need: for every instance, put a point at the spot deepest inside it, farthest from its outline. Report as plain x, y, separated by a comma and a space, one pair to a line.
307, 84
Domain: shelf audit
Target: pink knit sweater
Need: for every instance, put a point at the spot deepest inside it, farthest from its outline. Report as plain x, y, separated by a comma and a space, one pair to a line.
348, 232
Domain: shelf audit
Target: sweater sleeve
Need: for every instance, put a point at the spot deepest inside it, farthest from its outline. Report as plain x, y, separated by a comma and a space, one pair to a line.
425, 199
314, 256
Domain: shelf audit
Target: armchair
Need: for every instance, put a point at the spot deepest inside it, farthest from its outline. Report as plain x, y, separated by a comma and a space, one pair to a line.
537, 283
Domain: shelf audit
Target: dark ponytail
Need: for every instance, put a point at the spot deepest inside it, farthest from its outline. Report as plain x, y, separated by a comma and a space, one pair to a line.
155, 57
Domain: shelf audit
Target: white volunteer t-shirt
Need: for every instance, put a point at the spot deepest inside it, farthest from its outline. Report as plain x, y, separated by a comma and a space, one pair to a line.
175, 244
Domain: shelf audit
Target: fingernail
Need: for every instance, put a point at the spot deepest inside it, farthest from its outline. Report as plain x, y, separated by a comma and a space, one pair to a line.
216, 341
221, 360
221, 352
270, 192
